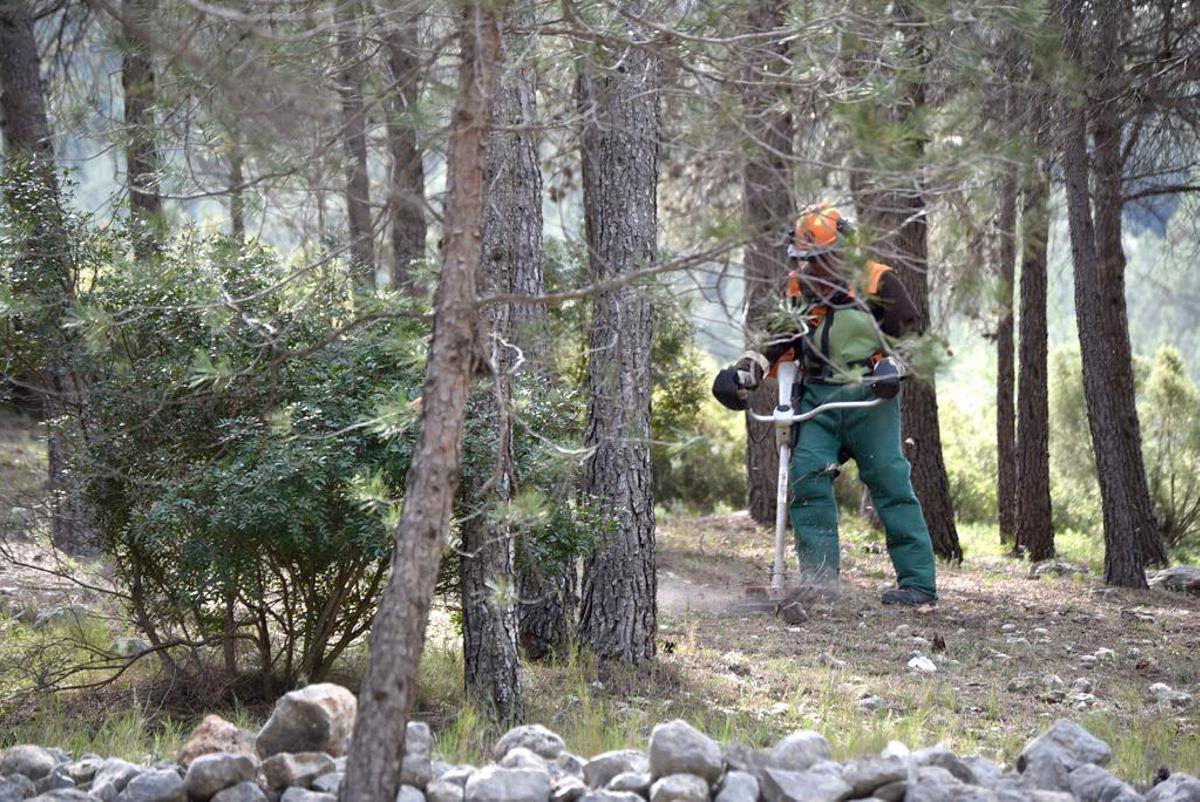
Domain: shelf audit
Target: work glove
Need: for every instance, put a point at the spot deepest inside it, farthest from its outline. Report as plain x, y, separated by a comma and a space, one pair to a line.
750, 369
726, 390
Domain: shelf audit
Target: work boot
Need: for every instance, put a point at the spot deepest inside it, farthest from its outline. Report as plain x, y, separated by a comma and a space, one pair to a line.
909, 597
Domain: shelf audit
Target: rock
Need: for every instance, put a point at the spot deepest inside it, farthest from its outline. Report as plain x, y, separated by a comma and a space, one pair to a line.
599, 771
892, 792
921, 664
156, 785
83, 770
793, 613
416, 769
680, 788
533, 737
1081, 685
15, 788
866, 774
984, 772
495, 784
1047, 760
54, 781
29, 760
1167, 696
780, 785
409, 793
112, 778
64, 795
329, 783
286, 769
305, 795
895, 749
1056, 568
242, 792
1090, 783
442, 791
754, 762
737, 786
317, 718
209, 774
801, 749
522, 758
678, 748
870, 704
943, 758
1179, 787
215, 734
458, 775
569, 789
1181, 578
611, 796
637, 782
570, 764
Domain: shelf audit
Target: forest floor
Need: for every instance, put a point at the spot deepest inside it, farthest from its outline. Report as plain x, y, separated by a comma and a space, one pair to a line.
1018, 653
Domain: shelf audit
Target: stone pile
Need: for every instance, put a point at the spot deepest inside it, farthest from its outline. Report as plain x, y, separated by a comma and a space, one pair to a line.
299, 756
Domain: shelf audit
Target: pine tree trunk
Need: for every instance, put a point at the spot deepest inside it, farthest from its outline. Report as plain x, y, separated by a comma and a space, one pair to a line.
1107, 369
767, 210
1006, 448
1035, 526
354, 137
897, 215
398, 631
619, 106
49, 284
408, 170
237, 196
512, 239
142, 163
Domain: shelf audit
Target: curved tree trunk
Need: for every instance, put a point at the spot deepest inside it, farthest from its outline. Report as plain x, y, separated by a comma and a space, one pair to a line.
619, 104
766, 209
398, 631
1035, 527
354, 136
1129, 527
407, 204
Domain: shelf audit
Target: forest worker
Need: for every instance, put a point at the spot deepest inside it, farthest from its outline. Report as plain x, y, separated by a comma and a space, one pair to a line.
853, 309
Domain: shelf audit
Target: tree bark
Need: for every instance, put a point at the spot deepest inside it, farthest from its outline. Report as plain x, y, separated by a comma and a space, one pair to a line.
512, 239
237, 197
142, 163
398, 631
1035, 525
46, 280
766, 209
407, 205
619, 106
1100, 312
1006, 447
898, 216
354, 137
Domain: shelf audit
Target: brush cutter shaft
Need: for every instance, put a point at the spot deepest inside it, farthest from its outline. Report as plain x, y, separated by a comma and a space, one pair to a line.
785, 416
781, 522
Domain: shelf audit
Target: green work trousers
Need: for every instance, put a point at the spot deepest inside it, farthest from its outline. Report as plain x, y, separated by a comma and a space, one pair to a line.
871, 436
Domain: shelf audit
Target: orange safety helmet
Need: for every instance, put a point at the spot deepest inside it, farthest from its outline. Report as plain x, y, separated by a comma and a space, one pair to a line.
820, 228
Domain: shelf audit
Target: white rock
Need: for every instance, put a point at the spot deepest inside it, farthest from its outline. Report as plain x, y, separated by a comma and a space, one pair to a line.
737, 786
416, 768
1179, 787
242, 792
679, 788
317, 718
676, 747
803, 786
284, 770
922, 665
533, 737
443, 791
29, 760
216, 771
495, 784
600, 770
801, 749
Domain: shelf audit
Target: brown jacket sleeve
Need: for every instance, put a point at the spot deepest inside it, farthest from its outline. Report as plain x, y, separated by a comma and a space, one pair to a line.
893, 307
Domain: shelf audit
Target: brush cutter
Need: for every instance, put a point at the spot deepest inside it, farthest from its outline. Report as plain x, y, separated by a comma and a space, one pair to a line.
885, 381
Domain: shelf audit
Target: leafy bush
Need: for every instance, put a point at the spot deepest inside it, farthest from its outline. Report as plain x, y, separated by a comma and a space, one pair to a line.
969, 449
1170, 416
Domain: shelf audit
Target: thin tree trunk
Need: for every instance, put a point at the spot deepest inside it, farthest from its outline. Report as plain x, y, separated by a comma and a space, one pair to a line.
354, 136
407, 204
619, 106
237, 196
398, 631
48, 283
1006, 447
1035, 526
1107, 379
142, 163
766, 209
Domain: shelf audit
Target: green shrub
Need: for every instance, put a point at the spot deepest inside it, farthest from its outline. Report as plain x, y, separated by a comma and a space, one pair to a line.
1170, 417
969, 449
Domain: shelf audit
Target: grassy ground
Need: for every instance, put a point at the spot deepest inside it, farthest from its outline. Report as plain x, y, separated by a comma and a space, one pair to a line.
751, 678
